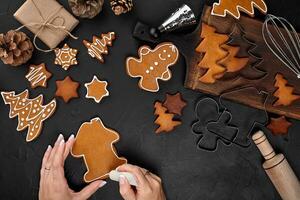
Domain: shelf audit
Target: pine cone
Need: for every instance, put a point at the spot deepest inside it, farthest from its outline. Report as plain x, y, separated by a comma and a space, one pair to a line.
121, 6
15, 48
86, 8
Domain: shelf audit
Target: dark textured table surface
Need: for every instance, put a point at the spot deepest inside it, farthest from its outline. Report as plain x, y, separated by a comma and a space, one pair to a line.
231, 172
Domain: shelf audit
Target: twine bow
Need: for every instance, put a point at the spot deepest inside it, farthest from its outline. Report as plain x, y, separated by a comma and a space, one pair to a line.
47, 23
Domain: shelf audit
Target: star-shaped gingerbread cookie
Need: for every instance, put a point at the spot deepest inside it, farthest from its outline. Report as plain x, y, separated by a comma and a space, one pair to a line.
279, 126
67, 89
38, 75
96, 89
65, 57
174, 103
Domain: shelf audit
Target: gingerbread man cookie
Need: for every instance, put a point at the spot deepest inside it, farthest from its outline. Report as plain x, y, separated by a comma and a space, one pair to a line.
96, 89
65, 57
38, 75
153, 65
94, 142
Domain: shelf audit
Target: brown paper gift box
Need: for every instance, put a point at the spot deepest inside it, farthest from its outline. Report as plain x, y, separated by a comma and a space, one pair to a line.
33, 13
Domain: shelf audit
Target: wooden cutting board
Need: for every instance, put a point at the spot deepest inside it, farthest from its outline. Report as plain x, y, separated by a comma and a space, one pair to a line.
254, 84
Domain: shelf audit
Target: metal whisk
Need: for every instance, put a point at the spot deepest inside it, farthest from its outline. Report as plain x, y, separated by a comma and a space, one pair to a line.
284, 42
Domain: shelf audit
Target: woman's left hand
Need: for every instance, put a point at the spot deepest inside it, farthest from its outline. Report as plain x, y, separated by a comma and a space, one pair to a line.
53, 184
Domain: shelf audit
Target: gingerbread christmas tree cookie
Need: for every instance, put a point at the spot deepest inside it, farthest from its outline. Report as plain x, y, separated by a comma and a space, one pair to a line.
153, 65
284, 93
66, 57
211, 47
234, 7
67, 89
38, 75
30, 112
174, 103
99, 46
96, 89
94, 143
164, 120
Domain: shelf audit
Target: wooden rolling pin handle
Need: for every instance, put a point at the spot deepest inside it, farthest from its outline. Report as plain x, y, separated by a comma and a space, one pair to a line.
278, 169
263, 145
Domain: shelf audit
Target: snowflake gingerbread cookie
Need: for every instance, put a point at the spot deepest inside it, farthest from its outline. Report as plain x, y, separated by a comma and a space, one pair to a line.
96, 89
66, 57
31, 113
38, 75
153, 65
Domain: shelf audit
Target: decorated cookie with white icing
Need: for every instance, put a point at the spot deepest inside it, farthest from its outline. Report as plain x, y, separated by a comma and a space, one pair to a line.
66, 57
38, 75
96, 89
99, 46
30, 112
153, 65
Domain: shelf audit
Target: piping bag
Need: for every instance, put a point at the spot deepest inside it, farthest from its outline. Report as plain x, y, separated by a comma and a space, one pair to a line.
115, 176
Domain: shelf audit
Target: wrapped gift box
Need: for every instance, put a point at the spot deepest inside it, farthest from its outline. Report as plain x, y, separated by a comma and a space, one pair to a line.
47, 19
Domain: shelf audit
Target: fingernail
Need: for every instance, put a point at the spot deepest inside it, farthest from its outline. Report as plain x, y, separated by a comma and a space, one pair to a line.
71, 137
62, 142
102, 184
49, 148
60, 137
122, 179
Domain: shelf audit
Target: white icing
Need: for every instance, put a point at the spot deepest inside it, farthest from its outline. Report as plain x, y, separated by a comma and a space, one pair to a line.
27, 119
36, 76
239, 8
160, 57
98, 48
95, 79
67, 60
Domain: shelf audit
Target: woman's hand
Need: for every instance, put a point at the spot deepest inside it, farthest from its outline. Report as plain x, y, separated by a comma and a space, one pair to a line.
149, 185
53, 184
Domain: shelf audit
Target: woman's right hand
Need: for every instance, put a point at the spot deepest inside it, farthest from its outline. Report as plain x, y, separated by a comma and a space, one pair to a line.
149, 185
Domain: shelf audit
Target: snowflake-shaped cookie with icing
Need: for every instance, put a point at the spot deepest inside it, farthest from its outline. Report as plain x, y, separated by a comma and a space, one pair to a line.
96, 89
65, 57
